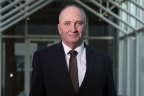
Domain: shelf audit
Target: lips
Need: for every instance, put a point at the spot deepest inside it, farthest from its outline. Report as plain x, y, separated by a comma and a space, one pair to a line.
73, 36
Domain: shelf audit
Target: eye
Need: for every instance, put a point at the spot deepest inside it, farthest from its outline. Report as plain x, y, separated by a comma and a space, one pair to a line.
79, 23
67, 23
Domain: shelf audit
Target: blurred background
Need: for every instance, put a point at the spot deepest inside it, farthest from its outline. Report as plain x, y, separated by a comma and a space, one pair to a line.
114, 26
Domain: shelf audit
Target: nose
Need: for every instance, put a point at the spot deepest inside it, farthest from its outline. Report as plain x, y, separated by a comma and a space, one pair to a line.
73, 28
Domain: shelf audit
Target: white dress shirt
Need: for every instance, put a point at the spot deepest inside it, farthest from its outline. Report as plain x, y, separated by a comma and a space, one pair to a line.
81, 60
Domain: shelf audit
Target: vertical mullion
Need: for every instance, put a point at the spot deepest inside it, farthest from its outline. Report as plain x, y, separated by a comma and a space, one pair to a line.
0, 64
27, 68
128, 67
27, 62
138, 56
128, 54
122, 67
122, 74
137, 59
142, 52
137, 64
141, 63
0, 58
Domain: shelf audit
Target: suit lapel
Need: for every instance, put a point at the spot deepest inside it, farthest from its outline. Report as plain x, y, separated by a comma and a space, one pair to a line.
89, 68
61, 57
65, 71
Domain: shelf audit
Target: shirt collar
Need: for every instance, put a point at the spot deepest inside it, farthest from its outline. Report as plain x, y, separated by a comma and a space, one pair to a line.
79, 49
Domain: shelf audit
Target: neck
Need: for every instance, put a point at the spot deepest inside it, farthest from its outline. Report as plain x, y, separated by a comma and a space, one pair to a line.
73, 45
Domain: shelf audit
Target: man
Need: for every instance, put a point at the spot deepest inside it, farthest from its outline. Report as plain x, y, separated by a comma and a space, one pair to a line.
52, 73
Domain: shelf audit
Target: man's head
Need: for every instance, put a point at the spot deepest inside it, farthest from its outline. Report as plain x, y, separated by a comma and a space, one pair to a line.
72, 25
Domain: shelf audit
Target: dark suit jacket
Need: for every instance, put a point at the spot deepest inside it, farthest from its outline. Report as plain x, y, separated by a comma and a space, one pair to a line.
50, 76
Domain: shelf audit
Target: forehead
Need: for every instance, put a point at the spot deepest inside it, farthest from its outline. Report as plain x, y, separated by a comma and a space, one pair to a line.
72, 12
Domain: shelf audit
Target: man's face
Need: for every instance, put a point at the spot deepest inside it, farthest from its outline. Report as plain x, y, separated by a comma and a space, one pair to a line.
72, 26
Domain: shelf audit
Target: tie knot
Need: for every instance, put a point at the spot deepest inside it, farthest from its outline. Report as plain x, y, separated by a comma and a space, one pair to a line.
73, 52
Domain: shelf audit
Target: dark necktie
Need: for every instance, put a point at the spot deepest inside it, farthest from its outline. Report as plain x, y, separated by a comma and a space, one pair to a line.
73, 69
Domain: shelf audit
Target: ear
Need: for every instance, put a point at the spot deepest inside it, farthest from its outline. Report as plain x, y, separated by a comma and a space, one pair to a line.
58, 26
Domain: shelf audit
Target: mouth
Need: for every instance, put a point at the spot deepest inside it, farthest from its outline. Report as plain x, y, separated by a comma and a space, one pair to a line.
73, 36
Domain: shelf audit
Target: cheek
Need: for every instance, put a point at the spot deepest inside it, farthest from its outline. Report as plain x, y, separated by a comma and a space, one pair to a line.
64, 30
82, 31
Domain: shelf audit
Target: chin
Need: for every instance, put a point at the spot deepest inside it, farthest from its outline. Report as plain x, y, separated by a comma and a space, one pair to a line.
76, 42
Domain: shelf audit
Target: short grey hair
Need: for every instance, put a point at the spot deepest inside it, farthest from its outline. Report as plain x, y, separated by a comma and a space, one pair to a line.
74, 5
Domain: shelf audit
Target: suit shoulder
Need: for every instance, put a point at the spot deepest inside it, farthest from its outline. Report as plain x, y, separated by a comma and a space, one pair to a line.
48, 49
101, 57
98, 53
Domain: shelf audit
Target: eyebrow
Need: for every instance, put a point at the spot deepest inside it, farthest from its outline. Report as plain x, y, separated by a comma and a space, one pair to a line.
76, 21
67, 21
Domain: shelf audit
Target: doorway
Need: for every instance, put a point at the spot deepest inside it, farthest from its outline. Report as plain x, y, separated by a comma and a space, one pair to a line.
17, 64
31, 46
